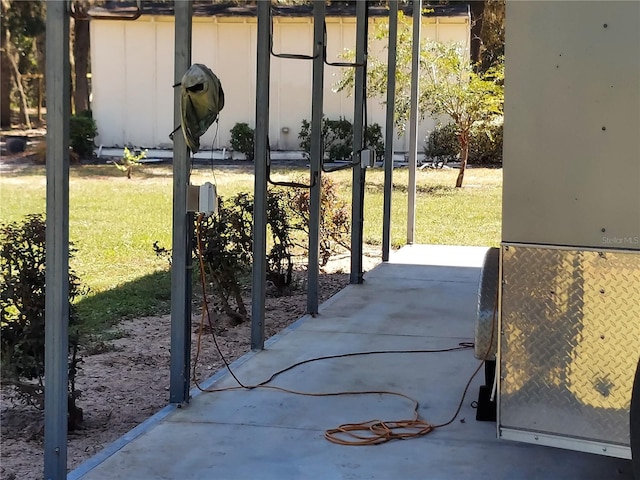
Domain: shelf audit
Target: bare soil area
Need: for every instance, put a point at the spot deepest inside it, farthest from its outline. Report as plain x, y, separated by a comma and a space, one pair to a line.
127, 380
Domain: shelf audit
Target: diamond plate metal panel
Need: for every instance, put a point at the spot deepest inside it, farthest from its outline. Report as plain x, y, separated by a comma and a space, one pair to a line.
570, 341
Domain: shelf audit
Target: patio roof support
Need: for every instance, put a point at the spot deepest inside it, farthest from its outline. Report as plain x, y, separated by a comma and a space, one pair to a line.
413, 122
357, 205
182, 223
316, 156
258, 284
57, 242
388, 136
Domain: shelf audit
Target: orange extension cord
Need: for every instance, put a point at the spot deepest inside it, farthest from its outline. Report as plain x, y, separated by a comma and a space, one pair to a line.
372, 432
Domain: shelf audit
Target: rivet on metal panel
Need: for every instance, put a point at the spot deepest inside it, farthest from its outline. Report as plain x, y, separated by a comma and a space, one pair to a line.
603, 229
604, 449
601, 254
605, 25
604, 128
602, 290
507, 248
601, 337
535, 437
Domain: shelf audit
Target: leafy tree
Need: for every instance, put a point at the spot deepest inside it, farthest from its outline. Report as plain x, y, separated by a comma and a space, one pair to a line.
81, 49
23, 26
491, 35
448, 85
454, 89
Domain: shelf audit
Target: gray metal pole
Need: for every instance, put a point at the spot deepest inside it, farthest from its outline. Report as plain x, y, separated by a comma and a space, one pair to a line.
357, 205
388, 136
181, 256
413, 122
258, 289
313, 269
57, 242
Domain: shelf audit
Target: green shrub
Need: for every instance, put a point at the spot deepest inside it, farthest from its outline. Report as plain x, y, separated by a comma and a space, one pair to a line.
374, 140
485, 145
335, 219
242, 136
22, 303
82, 131
442, 145
337, 138
226, 242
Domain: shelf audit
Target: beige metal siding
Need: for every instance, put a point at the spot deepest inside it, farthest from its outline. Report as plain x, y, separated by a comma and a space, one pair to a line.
572, 124
132, 65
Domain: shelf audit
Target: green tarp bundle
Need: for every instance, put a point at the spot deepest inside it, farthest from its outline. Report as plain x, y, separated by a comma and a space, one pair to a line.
201, 100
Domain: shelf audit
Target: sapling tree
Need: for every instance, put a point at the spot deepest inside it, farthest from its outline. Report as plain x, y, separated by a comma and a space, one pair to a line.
448, 85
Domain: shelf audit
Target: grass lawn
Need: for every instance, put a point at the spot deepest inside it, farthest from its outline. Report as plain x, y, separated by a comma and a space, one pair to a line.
113, 222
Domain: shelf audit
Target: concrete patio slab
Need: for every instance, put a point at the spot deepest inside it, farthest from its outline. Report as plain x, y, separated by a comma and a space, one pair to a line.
423, 300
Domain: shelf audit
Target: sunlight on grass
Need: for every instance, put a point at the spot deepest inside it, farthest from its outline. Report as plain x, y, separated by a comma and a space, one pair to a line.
113, 221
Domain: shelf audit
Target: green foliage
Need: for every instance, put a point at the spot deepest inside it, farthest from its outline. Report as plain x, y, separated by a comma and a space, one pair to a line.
280, 256
485, 147
22, 303
225, 241
242, 139
335, 218
25, 22
337, 138
82, 131
485, 144
442, 145
449, 85
492, 34
130, 159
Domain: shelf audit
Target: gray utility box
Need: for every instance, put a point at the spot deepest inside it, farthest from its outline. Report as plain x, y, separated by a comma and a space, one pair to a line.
569, 296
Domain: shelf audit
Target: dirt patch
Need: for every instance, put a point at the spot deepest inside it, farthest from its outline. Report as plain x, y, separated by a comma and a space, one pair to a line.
129, 382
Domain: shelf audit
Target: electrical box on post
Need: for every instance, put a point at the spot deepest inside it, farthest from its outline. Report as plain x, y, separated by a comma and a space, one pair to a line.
367, 158
202, 199
208, 199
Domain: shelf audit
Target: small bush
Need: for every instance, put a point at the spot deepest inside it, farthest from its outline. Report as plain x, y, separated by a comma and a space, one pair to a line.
242, 138
22, 303
485, 145
226, 240
442, 145
82, 131
374, 140
335, 219
337, 138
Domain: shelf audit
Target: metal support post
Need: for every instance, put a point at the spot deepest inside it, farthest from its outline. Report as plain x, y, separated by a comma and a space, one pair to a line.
388, 134
57, 242
413, 122
313, 269
357, 206
182, 223
260, 188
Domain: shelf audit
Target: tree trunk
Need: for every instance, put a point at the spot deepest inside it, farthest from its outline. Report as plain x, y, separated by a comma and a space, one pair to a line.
81, 57
5, 86
464, 150
24, 105
477, 10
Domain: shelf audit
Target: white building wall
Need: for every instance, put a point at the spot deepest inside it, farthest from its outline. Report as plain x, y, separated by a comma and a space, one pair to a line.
132, 76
